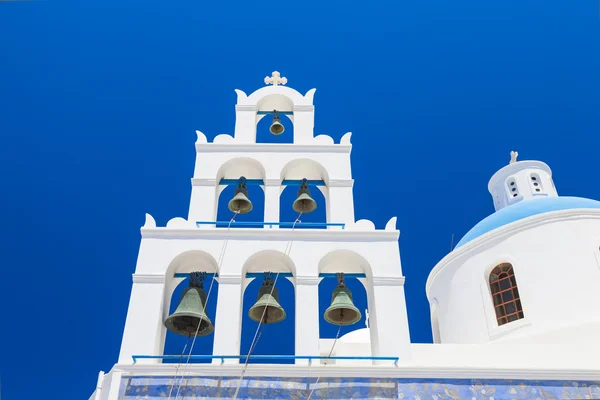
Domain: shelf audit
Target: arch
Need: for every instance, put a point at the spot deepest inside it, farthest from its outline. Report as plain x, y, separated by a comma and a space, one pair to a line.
282, 333
241, 166
173, 343
188, 261
304, 168
505, 294
234, 169
346, 261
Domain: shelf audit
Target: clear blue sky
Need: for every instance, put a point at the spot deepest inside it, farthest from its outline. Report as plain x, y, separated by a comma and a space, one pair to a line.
99, 101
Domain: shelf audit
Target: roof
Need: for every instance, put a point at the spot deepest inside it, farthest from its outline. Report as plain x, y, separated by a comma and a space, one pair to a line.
524, 209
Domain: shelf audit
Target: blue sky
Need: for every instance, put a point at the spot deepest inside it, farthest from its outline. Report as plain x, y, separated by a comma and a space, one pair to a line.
100, 100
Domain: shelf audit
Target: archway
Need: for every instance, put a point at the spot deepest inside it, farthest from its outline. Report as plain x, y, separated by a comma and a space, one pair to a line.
288, 215
203, 345
271, 339
230, 173
263, 135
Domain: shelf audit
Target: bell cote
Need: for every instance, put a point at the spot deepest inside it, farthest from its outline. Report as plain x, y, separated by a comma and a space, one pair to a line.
275, 99
521, 181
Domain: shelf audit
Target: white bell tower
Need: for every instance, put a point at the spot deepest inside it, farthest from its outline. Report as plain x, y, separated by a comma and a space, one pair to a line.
233, 255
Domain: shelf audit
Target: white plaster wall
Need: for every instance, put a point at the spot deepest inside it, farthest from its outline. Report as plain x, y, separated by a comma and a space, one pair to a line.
556, 264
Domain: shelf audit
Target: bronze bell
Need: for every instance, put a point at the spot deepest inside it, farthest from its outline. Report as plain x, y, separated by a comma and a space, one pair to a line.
191, 311
276, 126
240, 202
268, 297
342, 310
304, 203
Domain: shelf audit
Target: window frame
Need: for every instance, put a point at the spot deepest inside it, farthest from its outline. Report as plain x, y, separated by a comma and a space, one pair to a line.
496, 331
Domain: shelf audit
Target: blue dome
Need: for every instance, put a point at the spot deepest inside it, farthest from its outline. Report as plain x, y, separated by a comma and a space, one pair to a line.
523, 210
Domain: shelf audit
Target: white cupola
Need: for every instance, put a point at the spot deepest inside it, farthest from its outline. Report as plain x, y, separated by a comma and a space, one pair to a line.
521, 180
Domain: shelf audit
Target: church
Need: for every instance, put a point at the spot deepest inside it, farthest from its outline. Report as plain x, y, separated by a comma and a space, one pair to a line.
514, 306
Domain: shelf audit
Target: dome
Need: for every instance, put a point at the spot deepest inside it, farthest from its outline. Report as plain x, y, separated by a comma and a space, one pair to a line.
358, 336
524, 209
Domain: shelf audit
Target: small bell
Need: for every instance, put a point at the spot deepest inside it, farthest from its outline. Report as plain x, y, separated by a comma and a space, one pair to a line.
268, 297
304, 203
342, 310
191, 312
240, 202
276, 127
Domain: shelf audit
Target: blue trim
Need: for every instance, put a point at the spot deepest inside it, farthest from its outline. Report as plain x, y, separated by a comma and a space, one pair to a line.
525, 209
271, 224
282, 274
271, 112
265, 357
285, 182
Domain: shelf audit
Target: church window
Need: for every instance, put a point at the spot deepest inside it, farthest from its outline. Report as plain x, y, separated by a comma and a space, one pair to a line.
505, 294
512, 188
536, 184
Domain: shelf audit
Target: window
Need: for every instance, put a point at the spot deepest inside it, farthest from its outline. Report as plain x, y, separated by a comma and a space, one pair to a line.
505, 294
513, 190
536, 184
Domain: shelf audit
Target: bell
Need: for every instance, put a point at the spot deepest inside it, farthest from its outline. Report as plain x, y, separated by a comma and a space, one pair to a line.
268, 297
190, 312
304, 203
240, 202
276, 127
342, 310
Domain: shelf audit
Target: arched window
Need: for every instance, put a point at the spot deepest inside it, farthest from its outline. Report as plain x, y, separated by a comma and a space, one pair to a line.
505, 294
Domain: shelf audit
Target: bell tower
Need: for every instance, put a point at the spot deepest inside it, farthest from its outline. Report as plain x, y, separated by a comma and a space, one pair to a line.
197, 245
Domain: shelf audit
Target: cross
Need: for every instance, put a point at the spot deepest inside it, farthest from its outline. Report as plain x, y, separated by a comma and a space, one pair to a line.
513, 156
275, 79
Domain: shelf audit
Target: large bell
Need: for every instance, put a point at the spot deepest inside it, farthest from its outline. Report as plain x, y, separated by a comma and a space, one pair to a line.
190, 312
268, 297
304, 203
240, 202
276, 127
342, 310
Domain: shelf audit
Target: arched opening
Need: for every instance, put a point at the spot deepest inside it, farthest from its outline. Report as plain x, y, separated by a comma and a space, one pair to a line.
353, 265
263, 135
288, 215
276, 338
271, 339
359, 299
224, 215
228, 176
505, 294
176, 344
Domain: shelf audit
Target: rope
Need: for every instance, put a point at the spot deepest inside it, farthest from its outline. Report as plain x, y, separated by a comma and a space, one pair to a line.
219, 262
179, 364
325, 363
256, 334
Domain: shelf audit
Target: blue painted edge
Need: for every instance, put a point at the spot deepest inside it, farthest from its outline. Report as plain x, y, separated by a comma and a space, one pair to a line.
271, 224
271, 112
285, 182
266, 357
282, 274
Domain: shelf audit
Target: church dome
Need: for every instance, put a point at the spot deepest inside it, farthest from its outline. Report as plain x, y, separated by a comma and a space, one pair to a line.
524, 209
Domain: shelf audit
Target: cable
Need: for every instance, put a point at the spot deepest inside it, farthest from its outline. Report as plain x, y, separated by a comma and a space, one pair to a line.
219, 262
256, 334
330, 352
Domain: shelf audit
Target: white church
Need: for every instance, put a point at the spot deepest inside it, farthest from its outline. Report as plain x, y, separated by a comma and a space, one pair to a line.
514, 307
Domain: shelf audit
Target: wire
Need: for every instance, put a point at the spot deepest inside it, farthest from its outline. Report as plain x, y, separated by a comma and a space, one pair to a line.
256, 334
219, 262
330, 352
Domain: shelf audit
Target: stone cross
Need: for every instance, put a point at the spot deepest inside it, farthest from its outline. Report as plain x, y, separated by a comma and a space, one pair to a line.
513, 156
275, 79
